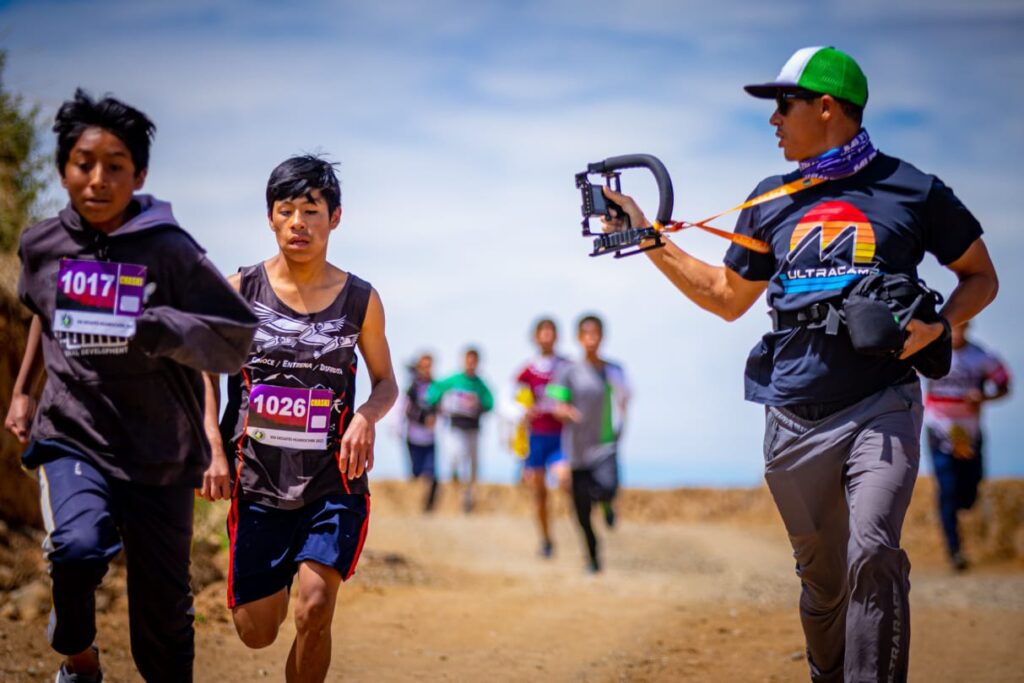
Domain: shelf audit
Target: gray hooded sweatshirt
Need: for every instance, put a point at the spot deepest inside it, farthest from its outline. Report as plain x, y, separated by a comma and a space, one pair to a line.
134, 407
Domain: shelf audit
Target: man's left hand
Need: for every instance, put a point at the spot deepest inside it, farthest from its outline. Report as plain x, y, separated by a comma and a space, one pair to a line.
919, 335
357, 447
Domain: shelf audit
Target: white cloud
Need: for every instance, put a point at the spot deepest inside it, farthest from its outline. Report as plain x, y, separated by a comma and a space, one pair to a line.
945, 11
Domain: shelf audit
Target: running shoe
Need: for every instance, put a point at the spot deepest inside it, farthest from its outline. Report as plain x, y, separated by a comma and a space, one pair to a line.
609, 514
428, 505
959, 561
65, 676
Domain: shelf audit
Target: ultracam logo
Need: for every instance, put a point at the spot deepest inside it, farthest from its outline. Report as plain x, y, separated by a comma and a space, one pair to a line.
832, 246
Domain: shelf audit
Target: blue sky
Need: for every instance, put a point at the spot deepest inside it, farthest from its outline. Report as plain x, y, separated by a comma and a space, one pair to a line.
459, 127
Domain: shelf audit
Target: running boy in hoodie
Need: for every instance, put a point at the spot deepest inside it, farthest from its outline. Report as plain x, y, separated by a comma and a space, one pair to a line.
300, 448
128, 312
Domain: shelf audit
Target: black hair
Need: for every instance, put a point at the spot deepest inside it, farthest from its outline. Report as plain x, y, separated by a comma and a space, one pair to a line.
299, 176
853, 111
411, 366
590, 318
130, 125
542, 322
473, 351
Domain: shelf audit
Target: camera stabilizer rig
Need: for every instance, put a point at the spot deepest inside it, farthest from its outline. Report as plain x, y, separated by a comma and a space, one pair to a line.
625, 242
629, 241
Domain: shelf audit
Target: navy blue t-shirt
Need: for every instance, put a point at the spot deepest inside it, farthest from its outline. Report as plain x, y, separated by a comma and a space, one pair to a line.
884, 218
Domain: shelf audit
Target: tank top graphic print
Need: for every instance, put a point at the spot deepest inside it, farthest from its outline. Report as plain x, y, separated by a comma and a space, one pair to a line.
289, 406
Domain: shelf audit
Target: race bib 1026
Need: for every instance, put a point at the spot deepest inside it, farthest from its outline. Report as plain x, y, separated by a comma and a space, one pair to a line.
289, 417
99, 297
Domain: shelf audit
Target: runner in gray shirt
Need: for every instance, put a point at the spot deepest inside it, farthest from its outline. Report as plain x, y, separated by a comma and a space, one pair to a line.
592, 396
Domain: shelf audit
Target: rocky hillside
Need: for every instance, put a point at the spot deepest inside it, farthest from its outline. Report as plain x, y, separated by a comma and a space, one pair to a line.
19, 503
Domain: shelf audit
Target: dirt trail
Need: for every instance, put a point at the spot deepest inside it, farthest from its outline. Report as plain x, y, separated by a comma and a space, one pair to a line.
465, 598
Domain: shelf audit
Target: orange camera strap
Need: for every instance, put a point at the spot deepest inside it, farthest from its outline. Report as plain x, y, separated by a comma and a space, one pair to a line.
745, 241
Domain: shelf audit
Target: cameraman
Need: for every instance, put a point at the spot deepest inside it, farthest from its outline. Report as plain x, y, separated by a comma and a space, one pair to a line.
842, 440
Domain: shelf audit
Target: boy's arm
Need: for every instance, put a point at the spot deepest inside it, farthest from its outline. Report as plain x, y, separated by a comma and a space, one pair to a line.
996, 383
559, 391
216, 478
436, 391
216, 481
23, 396
486, 398
622, 393
210, 327
356, 454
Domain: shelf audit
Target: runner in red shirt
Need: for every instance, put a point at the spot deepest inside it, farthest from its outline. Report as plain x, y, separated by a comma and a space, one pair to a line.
545, 431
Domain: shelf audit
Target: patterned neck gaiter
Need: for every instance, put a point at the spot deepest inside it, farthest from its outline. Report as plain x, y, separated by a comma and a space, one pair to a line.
840, 162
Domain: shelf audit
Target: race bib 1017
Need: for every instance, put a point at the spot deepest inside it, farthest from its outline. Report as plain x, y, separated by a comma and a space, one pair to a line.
289, 417
99, 297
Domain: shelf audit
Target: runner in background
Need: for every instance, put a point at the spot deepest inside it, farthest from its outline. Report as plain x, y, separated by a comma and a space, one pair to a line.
952, 418
592, 396
464, 398
544, 429
300, 449
420, 426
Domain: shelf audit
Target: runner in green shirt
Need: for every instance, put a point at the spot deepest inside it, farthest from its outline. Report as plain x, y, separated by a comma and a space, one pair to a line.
464, 397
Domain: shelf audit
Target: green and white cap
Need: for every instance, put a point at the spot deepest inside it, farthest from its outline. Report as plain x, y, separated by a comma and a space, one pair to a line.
820, 69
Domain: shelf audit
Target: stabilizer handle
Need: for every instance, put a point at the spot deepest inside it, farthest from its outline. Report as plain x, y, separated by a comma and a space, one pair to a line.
652, 164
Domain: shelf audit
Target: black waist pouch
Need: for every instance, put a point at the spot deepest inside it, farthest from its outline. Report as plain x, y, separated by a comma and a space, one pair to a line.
879, 307
873, 328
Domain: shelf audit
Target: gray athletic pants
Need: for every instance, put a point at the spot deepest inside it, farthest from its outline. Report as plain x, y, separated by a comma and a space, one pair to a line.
465, 449
842, 485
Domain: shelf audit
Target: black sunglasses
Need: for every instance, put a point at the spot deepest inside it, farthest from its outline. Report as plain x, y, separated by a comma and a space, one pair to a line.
783, 100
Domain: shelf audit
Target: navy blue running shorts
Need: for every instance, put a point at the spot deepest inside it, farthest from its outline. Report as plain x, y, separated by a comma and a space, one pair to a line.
545, 451
267, 544
422, 459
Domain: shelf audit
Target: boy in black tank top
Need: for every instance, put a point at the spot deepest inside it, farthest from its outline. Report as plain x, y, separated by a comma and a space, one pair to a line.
292, 450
